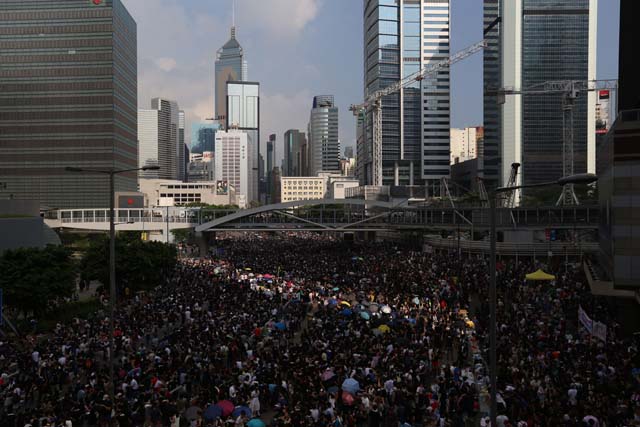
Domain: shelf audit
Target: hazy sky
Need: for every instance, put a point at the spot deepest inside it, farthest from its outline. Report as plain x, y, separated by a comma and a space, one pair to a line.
297, 49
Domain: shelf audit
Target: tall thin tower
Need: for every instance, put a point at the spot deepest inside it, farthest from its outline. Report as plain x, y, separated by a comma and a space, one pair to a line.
230, 65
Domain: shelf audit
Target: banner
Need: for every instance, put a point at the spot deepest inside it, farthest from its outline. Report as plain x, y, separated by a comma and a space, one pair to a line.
585, 320
600, 331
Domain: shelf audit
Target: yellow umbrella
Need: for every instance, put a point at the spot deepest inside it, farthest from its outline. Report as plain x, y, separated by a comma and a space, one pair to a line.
384, 328
470, 324
540, 275
345, 303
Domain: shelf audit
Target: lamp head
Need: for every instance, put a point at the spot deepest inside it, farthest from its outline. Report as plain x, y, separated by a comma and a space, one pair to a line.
150, 168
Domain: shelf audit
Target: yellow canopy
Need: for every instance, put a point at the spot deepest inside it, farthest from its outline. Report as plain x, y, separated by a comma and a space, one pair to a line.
540, 275
345, 303
384, 328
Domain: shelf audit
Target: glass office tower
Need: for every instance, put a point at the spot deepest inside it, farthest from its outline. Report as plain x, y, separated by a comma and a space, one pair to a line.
68, 97
400, 38
324, 146
543, 40
230, 66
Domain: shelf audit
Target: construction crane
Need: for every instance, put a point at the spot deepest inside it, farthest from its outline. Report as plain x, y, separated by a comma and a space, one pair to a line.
570, 89
510, 197
373, 102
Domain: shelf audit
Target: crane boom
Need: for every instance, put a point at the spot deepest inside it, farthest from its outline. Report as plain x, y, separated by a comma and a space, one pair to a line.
570, 89
374, 101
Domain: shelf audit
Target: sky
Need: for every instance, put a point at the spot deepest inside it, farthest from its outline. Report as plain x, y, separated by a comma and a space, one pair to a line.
297, 49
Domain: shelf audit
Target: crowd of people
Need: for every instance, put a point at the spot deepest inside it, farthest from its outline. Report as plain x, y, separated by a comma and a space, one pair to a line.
305, 330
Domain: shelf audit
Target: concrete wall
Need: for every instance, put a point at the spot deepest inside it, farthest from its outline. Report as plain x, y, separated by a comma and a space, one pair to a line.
25, 233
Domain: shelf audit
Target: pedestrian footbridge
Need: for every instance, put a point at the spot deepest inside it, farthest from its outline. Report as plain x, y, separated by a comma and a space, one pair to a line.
345, 215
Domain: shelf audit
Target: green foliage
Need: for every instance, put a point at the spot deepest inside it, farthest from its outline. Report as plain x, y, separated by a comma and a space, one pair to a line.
67, 312
182, 234
32, 277
205, 206
139, 265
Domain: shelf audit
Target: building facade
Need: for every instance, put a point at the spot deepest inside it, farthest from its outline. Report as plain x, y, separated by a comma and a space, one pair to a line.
234, 164
295, 188
324, 146
243, 113
294, 153
543, 40
201, 167
400, 38
464, 143
159, 140
164, 192
203, 136
230, 65
68, 98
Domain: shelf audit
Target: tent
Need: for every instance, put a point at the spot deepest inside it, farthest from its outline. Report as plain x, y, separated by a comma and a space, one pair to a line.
540, 275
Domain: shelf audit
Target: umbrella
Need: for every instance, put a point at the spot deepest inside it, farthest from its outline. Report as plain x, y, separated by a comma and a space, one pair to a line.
267, 276
332, 389
416, 300
384, 328
336, 289
345, 303
241, 410
247, 269
377, 332
280, 326
373, 308
256, 422
226, 406
386, 309
213, 412
327, 374
333, 301
351, 386
365, 315
346, 312
540, 275
347, 399
470, 324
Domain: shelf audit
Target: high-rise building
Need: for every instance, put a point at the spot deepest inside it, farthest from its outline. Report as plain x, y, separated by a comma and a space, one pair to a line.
182, 162
68, 97
243, 113
159, 141
271, 153
234, 163
400, 38
231, 65
324, 147
538, 41
490, 150
293, 141
348, 152
464, 143
203, 136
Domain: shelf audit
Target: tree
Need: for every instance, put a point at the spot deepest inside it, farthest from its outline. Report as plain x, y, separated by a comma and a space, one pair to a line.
139, 265
32, 277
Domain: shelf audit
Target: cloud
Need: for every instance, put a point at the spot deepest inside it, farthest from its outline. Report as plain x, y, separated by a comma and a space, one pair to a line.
280, 112
278, 18
166, 64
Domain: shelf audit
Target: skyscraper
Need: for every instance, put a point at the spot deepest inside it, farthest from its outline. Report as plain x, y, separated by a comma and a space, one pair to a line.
293, 141
159, 139
182, 165
230, 66
243, 113
271, 153
538, 41
68, 97
234, 164
400, 38
203, 136
324, 147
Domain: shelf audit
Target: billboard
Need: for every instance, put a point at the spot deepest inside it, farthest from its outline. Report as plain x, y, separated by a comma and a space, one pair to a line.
130, 201
207, 156
222, 188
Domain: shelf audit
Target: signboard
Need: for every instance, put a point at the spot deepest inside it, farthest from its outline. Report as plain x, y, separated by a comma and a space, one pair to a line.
222, 188
585, 320
131, 201
98, 2
207, 156
600, 331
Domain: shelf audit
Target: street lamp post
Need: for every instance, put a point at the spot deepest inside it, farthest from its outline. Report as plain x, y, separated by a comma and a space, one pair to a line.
583, 178
112, 257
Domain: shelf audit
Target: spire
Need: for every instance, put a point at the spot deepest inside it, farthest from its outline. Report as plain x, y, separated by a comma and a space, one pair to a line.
233, 19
